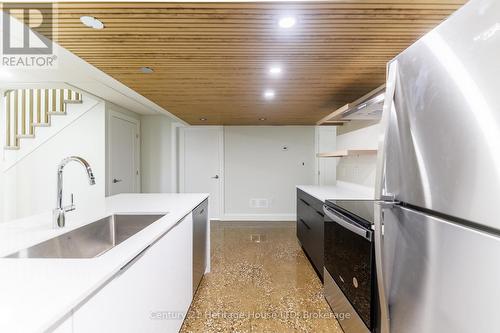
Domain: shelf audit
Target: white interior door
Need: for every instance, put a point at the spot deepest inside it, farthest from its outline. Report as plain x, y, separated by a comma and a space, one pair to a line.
123, 154
201, 164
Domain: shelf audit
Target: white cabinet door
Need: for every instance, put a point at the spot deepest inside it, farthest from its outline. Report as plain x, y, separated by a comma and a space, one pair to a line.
151, 295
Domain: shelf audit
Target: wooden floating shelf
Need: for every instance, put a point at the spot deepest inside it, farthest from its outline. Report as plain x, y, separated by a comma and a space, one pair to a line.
334, 122
348, 152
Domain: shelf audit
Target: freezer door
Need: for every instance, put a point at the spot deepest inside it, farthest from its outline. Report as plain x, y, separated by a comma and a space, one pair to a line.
438, 276
442, 145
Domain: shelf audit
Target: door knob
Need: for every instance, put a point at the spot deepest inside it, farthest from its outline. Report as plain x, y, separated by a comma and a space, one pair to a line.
216, 177
116, 180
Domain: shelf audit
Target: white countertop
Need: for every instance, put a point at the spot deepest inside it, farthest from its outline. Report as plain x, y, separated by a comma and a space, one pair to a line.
341, 191
36, 293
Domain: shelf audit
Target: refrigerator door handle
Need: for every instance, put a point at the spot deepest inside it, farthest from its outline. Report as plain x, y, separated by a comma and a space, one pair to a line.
381, 194
379, 239
390, 90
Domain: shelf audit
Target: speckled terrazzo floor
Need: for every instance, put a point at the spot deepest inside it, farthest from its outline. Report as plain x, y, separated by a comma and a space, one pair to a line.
261, 281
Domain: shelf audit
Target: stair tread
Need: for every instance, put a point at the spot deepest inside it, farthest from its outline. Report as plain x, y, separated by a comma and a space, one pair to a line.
25, 136
11, 147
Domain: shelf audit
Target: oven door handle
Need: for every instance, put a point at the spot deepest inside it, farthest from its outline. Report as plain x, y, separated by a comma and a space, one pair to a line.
347, 224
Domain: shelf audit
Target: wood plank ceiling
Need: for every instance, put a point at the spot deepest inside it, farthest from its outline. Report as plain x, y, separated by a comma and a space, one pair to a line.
211, 60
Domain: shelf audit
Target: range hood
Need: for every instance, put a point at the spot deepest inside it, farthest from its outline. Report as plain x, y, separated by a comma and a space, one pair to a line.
368, 107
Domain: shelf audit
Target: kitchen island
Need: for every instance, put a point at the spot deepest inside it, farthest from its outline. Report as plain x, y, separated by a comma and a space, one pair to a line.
53, 294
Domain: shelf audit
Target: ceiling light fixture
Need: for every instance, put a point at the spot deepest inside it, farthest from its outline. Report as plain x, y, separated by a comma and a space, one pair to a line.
287, 22
146, 70
269, 94
275, 70
92, 22
203, 119
262, 119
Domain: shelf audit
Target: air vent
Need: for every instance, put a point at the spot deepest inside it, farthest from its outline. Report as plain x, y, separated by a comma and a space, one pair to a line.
257, 238
259, 203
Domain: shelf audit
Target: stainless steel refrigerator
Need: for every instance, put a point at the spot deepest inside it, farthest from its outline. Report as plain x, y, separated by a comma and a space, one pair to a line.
437, 233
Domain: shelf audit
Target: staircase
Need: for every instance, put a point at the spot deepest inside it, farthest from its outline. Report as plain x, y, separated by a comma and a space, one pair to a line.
27, 109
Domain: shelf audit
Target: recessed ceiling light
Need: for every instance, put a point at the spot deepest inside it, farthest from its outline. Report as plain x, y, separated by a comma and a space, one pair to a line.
92, 22
275, 70
5, 74
269, 94
262, 119
146, 70
203, 119
287, 22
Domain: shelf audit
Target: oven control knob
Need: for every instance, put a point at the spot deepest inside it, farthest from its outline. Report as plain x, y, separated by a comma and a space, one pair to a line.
355, 282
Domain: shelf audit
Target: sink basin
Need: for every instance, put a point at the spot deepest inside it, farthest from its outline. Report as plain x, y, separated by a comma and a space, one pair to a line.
90, 240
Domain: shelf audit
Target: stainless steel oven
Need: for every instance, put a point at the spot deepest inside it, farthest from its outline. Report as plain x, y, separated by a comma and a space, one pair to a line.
349, 274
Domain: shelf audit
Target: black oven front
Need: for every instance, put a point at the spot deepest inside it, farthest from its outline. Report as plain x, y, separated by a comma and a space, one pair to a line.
350, 283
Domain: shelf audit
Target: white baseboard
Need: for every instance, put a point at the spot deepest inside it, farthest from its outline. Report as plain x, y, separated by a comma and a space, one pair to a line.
258, 217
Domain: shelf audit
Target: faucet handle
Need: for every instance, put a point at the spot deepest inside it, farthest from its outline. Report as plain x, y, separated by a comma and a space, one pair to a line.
59, 218
71, 206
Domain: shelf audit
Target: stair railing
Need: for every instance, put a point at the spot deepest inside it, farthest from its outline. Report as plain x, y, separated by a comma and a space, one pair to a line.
26, 109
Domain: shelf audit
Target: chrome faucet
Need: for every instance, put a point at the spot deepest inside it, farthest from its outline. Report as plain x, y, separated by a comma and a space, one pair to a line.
59, 211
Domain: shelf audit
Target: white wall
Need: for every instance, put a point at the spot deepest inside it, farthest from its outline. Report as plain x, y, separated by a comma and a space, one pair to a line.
116, 108
30, 185
157, 135
257, 167
326, 141
361, 169
2, 157
2, 188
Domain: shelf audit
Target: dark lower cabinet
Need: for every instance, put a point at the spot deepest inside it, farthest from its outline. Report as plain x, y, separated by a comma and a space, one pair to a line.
310, 229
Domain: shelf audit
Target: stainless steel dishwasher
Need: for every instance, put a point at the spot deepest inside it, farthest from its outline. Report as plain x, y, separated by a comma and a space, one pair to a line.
200, 221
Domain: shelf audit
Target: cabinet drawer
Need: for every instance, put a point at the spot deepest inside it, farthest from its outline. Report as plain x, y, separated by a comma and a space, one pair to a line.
310, 201
304, 234
311, 210
316, 234
310, 229
303, 228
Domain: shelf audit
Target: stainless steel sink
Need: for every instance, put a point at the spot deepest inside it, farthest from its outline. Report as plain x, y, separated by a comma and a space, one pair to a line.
90, 240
